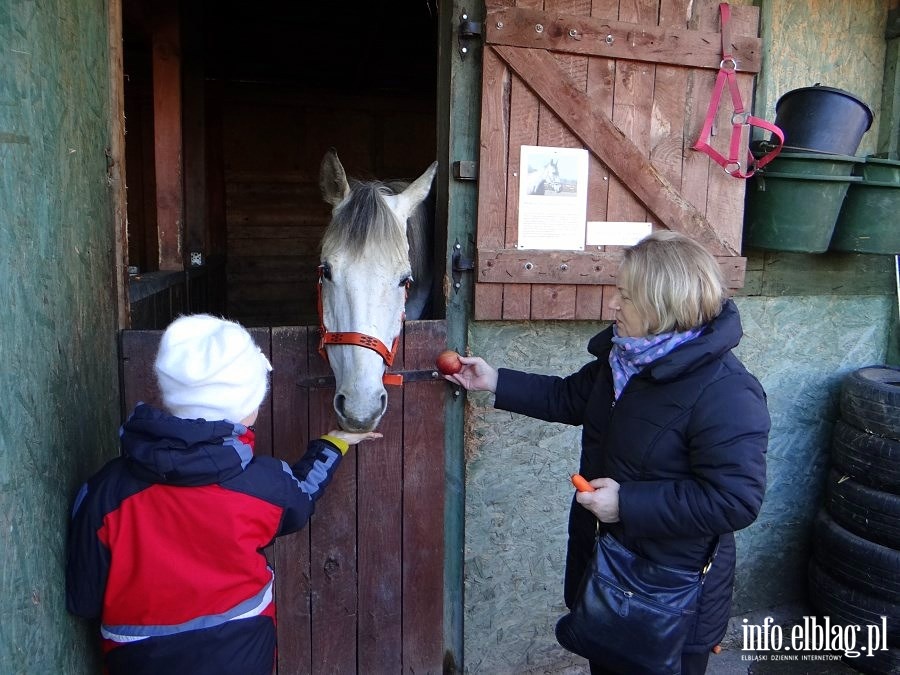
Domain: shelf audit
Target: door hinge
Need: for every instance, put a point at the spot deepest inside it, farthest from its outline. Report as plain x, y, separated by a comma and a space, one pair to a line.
468, 33
459, 264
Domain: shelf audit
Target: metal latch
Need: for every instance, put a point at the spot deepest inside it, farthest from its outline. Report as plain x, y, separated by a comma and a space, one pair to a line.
467, 32
459, 264
465, 169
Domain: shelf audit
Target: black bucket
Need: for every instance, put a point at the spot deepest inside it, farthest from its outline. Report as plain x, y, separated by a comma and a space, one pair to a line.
822, 119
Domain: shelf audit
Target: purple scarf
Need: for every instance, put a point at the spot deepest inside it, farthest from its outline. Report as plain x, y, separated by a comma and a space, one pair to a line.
630, 355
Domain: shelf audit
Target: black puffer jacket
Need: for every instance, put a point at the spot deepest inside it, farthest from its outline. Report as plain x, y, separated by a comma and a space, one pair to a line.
686, 440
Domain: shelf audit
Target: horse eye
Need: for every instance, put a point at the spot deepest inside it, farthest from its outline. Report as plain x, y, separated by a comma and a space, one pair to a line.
326, 271
406, 280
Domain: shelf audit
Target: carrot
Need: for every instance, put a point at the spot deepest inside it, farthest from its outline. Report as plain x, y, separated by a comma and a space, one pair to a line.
581, 484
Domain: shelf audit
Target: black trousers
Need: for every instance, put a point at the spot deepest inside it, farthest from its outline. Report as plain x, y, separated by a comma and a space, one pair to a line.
691, 664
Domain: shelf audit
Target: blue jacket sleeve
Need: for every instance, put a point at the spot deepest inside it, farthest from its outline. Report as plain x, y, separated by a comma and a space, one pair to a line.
727, 439
546, 397
306, 482
88, 559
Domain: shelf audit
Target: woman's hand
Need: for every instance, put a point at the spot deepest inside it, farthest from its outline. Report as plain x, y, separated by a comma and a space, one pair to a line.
352, 438
603, 502
476, 375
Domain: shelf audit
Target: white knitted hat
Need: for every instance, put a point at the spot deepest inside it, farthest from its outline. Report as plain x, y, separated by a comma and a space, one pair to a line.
210, 368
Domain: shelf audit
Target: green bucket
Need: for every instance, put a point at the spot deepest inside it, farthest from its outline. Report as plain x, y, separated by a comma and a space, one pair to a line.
869, 221
794, 212
880, 170
813, 164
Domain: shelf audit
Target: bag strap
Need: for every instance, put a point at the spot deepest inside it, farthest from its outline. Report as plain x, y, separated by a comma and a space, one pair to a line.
739, 118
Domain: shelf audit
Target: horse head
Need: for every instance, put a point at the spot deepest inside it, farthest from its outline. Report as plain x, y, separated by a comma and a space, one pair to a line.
539, 181
365, 273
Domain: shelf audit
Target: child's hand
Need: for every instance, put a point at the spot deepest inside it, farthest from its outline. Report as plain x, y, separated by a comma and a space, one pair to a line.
352, 438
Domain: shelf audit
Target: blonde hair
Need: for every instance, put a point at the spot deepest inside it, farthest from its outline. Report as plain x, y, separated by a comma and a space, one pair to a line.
673, 282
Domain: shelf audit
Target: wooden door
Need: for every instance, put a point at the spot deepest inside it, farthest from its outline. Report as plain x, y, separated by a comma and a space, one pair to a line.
630, 81
360, 589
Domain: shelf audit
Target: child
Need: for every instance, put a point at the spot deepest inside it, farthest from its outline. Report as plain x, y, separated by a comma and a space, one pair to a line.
166, 541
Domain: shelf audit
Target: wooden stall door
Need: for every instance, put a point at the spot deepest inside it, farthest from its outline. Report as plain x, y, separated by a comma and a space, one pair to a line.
630, 81
360, 589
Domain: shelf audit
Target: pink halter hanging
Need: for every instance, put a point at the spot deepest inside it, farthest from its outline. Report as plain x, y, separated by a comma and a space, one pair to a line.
739, 118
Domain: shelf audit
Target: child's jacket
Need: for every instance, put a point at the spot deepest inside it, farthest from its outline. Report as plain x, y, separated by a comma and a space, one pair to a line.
166, 544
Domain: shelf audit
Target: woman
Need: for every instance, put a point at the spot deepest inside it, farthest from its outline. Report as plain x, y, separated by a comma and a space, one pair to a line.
674, 428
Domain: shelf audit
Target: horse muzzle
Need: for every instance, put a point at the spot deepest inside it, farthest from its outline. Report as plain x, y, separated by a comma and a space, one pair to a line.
353, 417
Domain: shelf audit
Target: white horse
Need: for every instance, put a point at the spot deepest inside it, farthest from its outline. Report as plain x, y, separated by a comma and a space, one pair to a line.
375, 264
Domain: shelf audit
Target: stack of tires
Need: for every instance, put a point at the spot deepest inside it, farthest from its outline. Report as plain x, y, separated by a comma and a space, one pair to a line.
854, 574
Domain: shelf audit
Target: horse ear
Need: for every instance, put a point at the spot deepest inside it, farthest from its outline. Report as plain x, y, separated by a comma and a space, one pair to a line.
332, 179
415, 193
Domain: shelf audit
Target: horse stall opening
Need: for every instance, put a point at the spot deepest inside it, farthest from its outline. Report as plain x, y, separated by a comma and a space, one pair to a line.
229, 109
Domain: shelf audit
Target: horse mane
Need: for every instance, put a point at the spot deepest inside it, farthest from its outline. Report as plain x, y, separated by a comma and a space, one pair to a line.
364, 219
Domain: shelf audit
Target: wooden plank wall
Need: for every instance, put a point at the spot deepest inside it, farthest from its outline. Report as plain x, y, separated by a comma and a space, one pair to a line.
360, 589
273, 142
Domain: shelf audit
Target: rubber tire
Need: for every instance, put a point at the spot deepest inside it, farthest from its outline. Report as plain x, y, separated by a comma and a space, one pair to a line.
870, 400
845, 605
868, 458
857, 562
867, 513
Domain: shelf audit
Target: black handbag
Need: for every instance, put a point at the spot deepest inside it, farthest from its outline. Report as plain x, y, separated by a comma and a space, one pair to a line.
632, 615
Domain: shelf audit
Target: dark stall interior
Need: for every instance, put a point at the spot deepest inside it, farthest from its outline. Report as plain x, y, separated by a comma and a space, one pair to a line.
229, 108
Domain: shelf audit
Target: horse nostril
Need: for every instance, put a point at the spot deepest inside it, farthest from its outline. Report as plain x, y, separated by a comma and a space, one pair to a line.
384, 402
339, 401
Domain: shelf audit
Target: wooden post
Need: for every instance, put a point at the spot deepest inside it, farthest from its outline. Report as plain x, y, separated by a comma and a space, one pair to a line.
194, 124
116, 159
889, 125
459, 87
167, 134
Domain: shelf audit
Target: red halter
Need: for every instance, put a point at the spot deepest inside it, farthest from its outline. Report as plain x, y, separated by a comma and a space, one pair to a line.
739, 119
358, 339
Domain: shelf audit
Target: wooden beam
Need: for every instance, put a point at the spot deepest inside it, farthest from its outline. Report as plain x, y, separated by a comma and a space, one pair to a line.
167, 134
547, 267
584, 116
196, 227
116, 159
617, 39
572, 267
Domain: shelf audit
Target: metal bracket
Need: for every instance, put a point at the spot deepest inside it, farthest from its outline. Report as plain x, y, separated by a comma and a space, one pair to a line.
327, 381
465, 170
467, 32
459, 264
